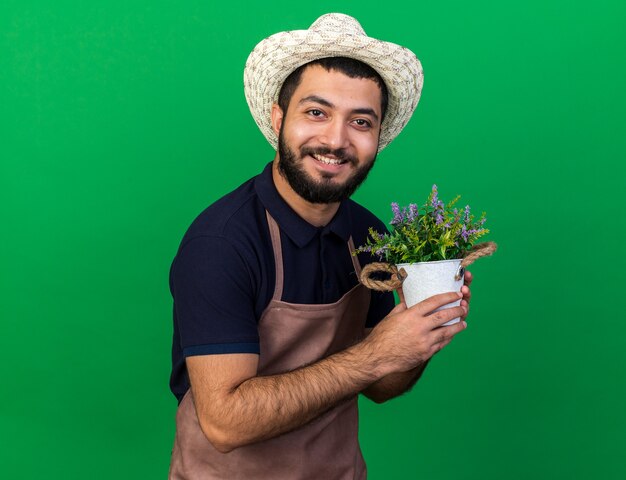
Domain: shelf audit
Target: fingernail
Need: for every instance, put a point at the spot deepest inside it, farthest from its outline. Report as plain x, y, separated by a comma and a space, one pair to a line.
464, 324
459, 294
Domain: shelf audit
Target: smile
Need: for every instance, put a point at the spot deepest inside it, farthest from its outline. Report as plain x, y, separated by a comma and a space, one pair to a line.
327, 160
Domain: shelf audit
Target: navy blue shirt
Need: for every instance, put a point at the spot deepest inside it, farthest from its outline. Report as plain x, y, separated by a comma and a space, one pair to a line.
223, 275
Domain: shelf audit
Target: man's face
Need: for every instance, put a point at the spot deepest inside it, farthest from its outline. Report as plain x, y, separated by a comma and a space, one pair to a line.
328, 139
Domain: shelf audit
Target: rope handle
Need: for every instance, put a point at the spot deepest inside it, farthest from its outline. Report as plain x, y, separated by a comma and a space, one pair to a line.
393, 283
479, 250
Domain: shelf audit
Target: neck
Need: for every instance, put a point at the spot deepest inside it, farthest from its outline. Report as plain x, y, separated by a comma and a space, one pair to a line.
317, 214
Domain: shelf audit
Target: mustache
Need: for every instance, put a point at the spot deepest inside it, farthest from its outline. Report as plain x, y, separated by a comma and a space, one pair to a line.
339, 153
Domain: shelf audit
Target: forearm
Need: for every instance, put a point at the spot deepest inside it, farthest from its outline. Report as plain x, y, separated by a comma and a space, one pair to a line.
235, 407
394, 384
263, 407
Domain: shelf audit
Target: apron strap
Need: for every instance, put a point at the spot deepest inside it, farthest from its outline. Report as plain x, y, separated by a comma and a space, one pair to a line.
355, 259
278, 256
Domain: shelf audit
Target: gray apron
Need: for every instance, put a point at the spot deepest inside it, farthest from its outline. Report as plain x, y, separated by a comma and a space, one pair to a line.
291, 335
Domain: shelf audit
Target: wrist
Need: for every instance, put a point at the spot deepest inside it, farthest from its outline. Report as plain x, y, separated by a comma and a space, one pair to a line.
371, 356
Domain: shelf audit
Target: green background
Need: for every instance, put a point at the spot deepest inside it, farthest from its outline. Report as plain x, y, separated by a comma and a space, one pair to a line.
122, 120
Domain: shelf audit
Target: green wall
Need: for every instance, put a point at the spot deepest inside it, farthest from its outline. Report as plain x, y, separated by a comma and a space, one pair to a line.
121, 120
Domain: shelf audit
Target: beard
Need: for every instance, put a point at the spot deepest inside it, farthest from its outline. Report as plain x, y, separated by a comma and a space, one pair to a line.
323, 191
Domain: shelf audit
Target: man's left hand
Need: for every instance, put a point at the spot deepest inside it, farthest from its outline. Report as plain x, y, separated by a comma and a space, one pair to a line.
467, 294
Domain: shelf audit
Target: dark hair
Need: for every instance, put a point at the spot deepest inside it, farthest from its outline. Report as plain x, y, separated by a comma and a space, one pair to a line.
348, 66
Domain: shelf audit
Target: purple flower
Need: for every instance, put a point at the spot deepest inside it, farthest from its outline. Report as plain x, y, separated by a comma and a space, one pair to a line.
464, 233
413, 212
381, 251
439, 219
435, 200
398, 216
466, 218
438, 206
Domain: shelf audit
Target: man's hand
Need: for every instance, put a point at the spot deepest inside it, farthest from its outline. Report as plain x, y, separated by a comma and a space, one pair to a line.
408, 337
467, 294
395, 384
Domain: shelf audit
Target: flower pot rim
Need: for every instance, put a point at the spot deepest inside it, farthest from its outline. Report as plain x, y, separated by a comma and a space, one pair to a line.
430, 262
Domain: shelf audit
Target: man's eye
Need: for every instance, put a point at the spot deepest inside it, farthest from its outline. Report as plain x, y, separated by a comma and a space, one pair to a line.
315, 112
361, 122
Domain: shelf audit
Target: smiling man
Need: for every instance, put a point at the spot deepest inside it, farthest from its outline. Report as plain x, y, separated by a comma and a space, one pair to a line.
274, 336
327, 135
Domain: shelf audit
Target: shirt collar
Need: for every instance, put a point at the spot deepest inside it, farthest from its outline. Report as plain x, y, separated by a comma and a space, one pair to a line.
299, 230
341, 224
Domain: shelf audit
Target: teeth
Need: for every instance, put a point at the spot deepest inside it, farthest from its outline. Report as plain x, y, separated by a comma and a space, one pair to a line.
328, 161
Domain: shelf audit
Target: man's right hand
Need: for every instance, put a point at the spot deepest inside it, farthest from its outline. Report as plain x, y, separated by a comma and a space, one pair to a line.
408, 337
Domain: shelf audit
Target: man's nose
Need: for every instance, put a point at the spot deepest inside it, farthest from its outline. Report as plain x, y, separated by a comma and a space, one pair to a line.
335, 135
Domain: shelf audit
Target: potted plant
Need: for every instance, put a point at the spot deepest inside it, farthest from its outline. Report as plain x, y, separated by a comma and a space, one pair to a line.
427, 249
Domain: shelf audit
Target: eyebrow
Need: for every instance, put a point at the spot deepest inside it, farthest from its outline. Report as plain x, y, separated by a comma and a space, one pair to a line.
326, 103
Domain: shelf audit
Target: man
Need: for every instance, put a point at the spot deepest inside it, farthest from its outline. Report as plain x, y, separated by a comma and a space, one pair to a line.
274, 337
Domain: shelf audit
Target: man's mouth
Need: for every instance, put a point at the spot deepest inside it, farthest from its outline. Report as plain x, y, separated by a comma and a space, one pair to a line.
328, 160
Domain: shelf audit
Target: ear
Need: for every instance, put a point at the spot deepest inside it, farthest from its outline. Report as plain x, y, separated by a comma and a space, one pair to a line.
277, 118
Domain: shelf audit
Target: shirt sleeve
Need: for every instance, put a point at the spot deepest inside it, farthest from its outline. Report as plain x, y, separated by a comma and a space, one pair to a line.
213, 299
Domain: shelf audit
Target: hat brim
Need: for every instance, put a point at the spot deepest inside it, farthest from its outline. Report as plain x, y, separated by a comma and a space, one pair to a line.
277, 56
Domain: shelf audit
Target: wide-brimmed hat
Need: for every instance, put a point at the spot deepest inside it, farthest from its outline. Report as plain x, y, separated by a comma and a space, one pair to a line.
332, 35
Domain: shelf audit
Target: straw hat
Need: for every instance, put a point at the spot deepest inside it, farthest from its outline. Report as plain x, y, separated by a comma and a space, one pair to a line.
332, 35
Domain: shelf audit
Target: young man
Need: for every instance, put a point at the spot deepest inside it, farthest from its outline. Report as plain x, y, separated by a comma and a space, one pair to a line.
274, 337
